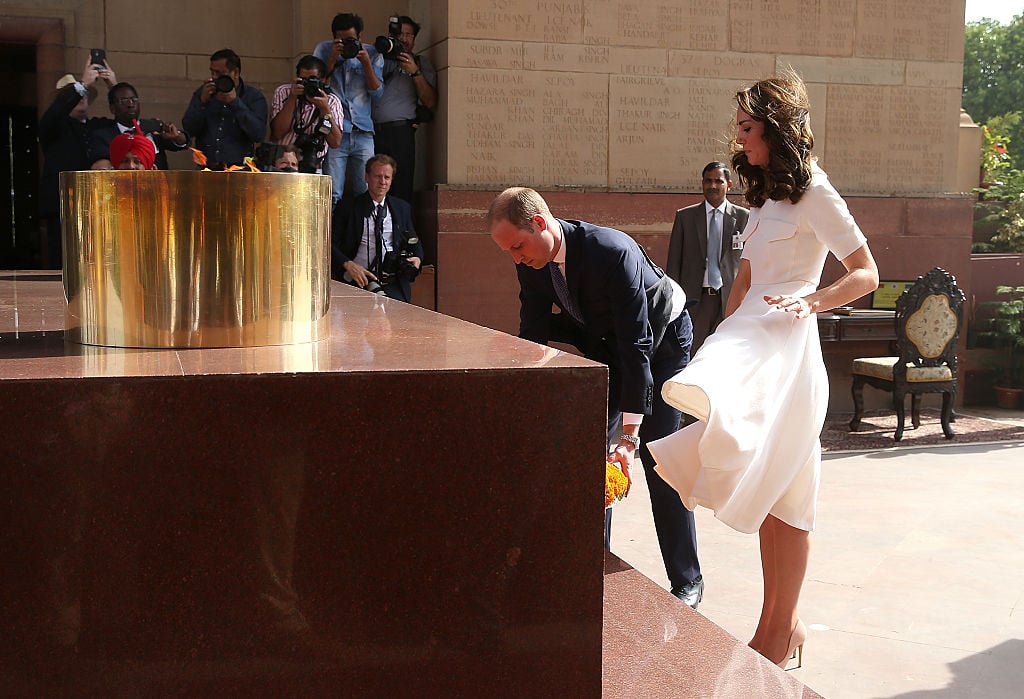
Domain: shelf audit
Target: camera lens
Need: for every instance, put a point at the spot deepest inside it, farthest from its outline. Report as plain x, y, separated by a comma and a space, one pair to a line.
312, 87
224, 83
388, 46
350, 47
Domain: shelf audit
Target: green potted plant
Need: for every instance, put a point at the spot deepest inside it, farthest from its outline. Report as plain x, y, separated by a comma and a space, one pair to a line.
1004, 328
995, 155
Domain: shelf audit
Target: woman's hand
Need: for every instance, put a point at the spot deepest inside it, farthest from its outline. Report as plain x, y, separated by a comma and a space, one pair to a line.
790, 304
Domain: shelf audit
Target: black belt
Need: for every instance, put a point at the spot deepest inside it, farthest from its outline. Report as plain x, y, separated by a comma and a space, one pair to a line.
711, 292
356, 129
397, 122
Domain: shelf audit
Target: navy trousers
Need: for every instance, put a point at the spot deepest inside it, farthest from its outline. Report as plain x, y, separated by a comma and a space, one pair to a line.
677, 536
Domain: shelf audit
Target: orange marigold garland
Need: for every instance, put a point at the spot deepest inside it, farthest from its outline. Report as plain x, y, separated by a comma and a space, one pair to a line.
615, 484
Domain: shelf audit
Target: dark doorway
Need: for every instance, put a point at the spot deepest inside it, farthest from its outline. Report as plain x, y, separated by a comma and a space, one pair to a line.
19, 165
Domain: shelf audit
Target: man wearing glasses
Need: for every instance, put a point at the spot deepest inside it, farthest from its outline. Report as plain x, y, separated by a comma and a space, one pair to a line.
409, 80
125, 106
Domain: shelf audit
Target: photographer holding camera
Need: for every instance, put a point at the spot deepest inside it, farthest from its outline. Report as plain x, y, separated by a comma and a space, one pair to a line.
226, 116
65, 131
373, 243
305, 113
410, 95
355, 71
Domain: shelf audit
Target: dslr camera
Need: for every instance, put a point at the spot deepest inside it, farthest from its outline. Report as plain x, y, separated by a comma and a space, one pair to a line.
314, 87
350, 47
311, 145
396, 263
224, 83
389, 46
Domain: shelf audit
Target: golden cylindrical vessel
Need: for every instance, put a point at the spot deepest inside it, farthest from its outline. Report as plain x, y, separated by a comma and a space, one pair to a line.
196, 258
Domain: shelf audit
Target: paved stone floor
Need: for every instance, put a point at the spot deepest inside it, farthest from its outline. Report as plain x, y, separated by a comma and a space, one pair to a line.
916, 581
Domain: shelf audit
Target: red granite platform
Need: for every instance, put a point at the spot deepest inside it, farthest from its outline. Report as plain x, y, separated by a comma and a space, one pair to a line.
397, 474
655, 646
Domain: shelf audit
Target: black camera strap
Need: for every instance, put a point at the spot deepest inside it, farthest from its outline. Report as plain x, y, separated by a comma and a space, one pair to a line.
300, 126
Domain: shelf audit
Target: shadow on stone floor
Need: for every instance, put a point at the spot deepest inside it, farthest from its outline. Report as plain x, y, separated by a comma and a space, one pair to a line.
996, 672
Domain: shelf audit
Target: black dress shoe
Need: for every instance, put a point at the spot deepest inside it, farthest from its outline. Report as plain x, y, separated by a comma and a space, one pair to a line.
692, 592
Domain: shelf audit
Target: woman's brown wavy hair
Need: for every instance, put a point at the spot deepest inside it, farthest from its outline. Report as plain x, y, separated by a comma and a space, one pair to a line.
781, 104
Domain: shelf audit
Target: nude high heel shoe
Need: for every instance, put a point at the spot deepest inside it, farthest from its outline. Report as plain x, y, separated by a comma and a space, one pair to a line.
796, 646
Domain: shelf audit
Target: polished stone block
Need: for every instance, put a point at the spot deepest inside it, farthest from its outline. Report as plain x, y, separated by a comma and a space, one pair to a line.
433, 481
655, 646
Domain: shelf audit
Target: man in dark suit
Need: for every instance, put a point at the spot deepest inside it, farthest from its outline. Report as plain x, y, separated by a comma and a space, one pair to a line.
373, 242
707, 278
620, 309
65, 133
125, 107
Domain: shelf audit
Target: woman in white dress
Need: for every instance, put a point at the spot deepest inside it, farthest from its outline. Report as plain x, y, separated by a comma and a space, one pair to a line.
758, 385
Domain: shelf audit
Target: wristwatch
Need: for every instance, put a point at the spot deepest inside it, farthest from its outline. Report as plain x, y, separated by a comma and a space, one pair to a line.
418, 72
632, 439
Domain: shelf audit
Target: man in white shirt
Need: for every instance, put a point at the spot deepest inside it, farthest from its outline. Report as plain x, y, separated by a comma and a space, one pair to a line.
374, 245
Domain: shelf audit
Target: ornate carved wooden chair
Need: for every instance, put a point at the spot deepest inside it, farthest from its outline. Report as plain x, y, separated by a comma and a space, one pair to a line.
928, 319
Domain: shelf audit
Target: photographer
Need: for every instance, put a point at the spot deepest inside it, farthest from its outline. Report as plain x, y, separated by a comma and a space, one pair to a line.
306, 114
410, 95
226, 116
355, 70
65, 132
373, 243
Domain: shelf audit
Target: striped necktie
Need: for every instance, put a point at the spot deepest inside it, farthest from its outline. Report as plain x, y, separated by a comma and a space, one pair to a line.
562, 290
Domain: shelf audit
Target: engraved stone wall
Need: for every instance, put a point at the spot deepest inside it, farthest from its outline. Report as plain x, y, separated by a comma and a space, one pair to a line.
638, 96
542, 127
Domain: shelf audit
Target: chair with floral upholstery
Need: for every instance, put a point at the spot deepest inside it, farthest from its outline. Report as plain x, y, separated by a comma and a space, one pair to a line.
928, 319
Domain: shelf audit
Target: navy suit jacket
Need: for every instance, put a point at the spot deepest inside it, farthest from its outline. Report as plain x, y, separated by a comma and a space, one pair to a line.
106, 131
611, 279
347, 226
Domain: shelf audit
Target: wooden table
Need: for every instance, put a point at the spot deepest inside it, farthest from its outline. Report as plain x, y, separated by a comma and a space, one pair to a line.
859, 325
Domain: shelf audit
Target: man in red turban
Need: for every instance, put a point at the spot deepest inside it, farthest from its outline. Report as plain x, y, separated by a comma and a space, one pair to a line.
132, 151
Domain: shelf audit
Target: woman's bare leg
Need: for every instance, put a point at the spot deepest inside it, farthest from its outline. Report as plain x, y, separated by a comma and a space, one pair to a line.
766, 537
788, 568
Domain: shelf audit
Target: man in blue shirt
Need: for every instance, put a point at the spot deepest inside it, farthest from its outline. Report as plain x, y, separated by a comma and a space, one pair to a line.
356, 71
226, 116
409, 80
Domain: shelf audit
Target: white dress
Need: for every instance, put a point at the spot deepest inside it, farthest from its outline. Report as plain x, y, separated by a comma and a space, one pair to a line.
758, 384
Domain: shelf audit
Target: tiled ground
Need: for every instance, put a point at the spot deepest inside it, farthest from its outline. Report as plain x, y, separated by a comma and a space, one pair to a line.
916, 583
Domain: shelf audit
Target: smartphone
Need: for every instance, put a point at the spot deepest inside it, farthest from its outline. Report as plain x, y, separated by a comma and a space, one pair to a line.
97, 57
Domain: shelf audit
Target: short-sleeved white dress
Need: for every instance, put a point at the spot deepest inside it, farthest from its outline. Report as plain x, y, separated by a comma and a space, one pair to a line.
758, 384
